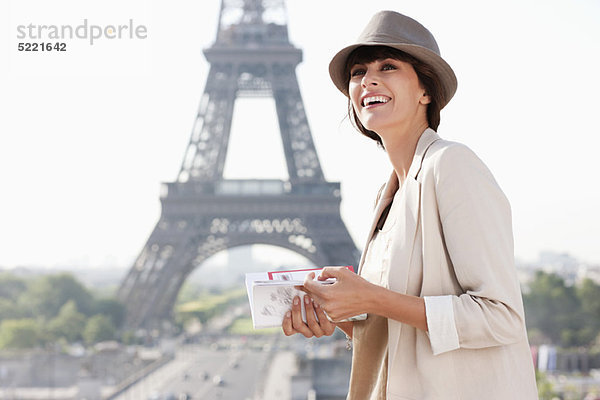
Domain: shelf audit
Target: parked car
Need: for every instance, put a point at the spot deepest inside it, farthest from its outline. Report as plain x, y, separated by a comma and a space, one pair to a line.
218, 381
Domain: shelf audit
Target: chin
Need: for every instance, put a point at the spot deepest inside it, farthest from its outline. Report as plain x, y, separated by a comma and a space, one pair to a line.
371, 125
375, 127
377, 122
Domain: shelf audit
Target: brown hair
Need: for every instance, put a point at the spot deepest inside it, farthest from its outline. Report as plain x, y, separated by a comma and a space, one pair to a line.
427, 78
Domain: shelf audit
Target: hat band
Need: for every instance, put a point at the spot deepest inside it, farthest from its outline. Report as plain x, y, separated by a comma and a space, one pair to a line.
390, 40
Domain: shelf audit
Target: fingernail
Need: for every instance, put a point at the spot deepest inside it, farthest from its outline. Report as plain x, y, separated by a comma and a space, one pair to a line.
306, 300
316, 305
296, 301
288, 314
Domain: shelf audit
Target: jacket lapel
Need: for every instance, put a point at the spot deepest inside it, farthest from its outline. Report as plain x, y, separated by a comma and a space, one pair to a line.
425, 141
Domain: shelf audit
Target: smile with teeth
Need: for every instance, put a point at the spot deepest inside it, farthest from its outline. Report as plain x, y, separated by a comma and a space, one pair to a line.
369, 101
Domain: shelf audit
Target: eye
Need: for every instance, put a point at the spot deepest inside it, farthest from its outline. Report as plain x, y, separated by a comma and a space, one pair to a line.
388, 67
357, 72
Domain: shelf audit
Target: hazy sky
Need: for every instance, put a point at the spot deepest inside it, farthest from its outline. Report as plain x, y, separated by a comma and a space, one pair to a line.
87, 136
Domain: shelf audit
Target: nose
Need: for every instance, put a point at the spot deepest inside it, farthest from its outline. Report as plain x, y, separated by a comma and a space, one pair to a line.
370, 78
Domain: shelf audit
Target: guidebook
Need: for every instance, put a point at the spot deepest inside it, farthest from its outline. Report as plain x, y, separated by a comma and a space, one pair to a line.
271, 294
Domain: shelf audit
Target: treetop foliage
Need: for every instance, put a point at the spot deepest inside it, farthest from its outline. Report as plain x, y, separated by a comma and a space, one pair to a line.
53, 308
562, 315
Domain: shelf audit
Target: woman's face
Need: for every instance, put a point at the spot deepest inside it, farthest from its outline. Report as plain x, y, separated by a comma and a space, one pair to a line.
386, 95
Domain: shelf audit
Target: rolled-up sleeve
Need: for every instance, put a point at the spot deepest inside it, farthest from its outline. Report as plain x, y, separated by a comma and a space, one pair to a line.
441, 327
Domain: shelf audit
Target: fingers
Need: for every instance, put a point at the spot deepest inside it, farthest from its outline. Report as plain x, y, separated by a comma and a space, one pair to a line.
309, 279
325, 324
286, 325
332, 297
314, 289
332, 272
318, 291
297, 322
311, 319
317, 324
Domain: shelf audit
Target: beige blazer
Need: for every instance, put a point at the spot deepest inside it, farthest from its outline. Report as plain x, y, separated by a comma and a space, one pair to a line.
453, 236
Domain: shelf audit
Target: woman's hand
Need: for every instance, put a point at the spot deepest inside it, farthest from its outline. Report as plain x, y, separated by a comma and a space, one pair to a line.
347, 297
317, 324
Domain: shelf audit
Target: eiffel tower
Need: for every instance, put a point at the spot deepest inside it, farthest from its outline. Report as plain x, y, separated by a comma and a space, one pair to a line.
203, 213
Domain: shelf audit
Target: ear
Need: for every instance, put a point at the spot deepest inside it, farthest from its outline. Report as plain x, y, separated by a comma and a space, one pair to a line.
425, 99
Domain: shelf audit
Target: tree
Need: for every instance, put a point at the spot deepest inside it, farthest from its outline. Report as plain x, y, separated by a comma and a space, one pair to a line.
68, 324
8, 310
567, 315
19, 333
113, 309
553, 308
46, 295
11, 286
98, 328
589, 296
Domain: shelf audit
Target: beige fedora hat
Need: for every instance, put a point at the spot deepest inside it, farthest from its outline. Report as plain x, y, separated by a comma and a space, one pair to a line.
392, 29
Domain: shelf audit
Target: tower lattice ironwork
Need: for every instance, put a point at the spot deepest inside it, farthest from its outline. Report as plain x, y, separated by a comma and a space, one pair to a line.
203, 213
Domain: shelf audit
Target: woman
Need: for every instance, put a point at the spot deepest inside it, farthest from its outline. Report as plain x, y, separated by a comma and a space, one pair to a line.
437, 277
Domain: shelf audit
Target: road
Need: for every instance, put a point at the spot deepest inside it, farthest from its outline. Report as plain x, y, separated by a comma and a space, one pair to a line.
196, 370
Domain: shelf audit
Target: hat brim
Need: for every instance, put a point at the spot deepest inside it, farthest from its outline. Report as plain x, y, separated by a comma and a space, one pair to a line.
443, 71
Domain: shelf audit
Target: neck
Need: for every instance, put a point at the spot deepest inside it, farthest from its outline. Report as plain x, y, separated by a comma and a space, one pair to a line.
400, 147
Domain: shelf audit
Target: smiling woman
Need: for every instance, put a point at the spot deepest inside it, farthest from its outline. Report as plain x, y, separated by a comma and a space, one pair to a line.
437, 276
385, 94
391, 59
